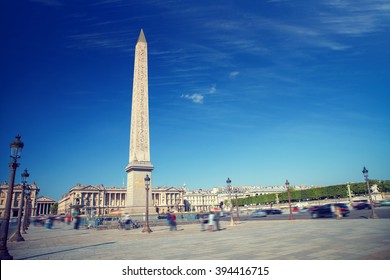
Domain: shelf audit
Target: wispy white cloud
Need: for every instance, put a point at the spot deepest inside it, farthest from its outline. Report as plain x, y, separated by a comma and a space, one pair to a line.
213, 89
115, 39
234, 74
357, 17
52, 3
196, 97
200, 95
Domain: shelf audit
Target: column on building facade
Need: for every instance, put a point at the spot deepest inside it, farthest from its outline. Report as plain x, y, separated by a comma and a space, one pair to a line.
93, 201
100, 204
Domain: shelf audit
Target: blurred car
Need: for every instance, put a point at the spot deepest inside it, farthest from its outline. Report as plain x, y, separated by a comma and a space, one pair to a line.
325, 211
385, 202
362, 205
162, 216
59, 218
259, 213
313, 207
358, 202
272, 211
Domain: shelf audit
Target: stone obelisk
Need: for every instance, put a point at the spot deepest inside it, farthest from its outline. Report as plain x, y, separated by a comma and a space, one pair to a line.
139, 157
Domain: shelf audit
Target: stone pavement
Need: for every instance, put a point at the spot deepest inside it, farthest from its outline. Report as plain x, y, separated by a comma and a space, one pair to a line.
319, 239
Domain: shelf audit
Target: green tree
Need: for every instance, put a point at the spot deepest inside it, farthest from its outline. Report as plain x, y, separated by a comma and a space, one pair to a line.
54, 208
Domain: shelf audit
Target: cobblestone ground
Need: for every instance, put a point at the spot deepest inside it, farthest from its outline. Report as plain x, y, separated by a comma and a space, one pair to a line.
320, 239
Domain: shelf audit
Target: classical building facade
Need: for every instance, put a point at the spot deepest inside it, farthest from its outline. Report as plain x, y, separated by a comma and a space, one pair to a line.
165, 199
43, 206
100, 200
202, 200
16, 198
95, 200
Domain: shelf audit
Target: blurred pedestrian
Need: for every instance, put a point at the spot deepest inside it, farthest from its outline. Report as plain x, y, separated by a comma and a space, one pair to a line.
337, 212
216, 219
168, 219
49, 223
211, 221
202, 220
127, 221
34, 220
77, 221
333, 210
172, 222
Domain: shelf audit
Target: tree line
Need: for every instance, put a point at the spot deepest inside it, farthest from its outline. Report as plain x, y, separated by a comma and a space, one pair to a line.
336, 191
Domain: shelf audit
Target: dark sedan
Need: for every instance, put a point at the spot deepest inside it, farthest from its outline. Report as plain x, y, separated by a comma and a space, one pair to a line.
363, 205
328, 210
272, 211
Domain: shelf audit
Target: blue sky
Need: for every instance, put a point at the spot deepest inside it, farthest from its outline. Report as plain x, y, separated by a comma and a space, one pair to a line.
258, 91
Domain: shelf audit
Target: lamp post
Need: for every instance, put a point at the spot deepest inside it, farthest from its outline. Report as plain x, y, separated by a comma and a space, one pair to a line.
147, 184
349, 194
365, 174
27, 209
229, 187
289, 199
16, 150
17, 236
236, 193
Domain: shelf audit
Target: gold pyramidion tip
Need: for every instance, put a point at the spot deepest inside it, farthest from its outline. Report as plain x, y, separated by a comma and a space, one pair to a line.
141, 37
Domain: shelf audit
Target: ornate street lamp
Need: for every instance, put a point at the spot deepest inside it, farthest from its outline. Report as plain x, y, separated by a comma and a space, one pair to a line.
27, 209
17, 236
289, 199
229, 188
365, 174
147, 184
236, 193
16, 150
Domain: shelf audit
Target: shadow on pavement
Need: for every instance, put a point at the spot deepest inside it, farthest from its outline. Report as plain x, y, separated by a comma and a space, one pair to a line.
67, 250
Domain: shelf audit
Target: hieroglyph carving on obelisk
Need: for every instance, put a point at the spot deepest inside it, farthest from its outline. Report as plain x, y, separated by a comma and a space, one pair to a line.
139, 156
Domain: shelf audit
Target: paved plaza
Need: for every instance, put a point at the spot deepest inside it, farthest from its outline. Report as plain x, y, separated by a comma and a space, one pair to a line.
320, 239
